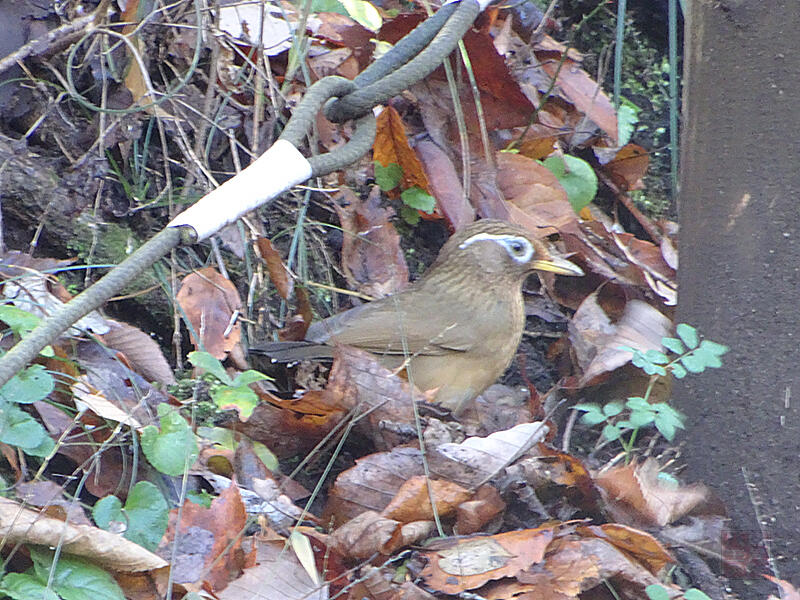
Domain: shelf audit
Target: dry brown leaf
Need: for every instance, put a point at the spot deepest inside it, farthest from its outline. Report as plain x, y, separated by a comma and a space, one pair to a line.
362, 384
143, 352
636, 496
537, 200
577, 87
598, 343
209, 545
481, 457
628, 167
391, 147
210, 302
412, 502
371, 484
474, 514
367, 534
575, 565
19, 525
459, 564
445, 185
278, 574
278, 273
372, 259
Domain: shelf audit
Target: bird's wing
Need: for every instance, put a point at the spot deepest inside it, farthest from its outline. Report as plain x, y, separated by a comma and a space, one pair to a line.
390, 326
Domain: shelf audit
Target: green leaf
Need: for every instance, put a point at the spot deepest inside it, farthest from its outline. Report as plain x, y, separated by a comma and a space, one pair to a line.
673, 344
612, 409
666, 427
677, 370
242, 398
75, 578
28, 386
693, 363
248, 377
652, 369
24, 586
147, 513
419, 199
201, 498
611, 432
266, 456
713, 348
656, 357
688, 334
695, 594
22, 323
592, 418
656, 592
173, 448
641, 418
709, 360
107, 514
637, 403
410, 215
388, 177
18, 428
363, 13
207, 362
577, 178
627, 118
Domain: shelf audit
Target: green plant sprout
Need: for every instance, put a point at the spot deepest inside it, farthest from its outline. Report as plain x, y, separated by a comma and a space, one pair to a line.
228, 392
414, 199
692, 355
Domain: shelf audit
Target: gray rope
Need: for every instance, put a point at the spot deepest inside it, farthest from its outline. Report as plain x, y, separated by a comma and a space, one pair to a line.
84, 303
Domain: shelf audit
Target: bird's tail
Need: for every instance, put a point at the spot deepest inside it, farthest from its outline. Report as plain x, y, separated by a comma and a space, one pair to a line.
292, 351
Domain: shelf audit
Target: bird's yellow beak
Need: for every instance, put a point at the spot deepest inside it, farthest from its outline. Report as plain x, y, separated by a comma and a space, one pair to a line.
558, 265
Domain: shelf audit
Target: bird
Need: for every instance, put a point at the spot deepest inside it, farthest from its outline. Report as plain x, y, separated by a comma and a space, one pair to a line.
457, 328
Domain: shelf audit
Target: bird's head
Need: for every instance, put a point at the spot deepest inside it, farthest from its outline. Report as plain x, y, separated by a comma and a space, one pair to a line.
500, 249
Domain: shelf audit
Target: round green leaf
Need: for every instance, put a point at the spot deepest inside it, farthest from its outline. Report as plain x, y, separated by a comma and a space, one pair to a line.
107, 512
147, 513
612, 409
693, 363
678, 371
577, 178
173, 448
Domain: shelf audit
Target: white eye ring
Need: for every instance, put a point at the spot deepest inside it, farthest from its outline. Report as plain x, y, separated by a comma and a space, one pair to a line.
518, 248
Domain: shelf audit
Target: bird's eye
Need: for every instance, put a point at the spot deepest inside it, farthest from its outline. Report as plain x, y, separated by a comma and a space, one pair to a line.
517, 248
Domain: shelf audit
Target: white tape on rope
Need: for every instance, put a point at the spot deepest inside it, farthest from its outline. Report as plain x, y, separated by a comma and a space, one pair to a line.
482, 3
274, 172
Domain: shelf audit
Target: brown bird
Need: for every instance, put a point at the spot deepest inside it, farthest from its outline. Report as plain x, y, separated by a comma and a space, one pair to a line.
457, 328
